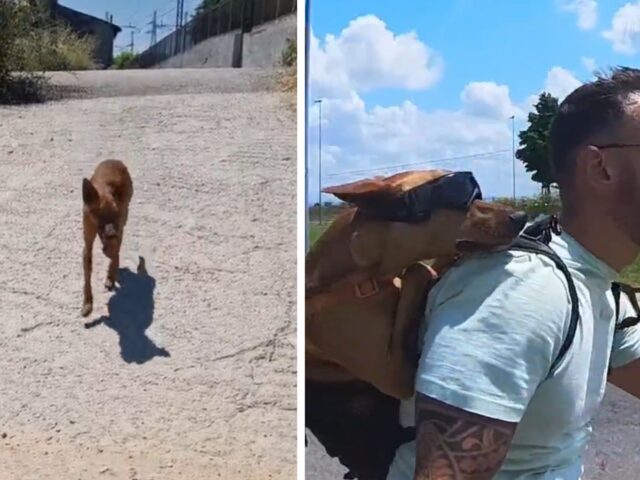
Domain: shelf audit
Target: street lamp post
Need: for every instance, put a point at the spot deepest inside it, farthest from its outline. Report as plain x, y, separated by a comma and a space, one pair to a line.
306, 122
319, 102
513, 152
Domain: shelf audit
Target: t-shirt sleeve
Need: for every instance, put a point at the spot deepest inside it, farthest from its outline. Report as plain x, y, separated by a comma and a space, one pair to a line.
494, 326
626, 342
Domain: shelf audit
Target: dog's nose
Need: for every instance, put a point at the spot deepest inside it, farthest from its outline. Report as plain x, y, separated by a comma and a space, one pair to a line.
519, 219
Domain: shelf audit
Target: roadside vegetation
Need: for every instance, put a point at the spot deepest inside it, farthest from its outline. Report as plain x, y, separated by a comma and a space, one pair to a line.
32, 43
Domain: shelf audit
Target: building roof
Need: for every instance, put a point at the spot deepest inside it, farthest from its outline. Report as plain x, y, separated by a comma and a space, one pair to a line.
77, 18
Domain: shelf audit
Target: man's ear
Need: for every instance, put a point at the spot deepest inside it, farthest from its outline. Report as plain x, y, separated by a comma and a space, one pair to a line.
89, 193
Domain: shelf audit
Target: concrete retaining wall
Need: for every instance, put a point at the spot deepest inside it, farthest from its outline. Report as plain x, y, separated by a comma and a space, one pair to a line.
215, 52
262, 48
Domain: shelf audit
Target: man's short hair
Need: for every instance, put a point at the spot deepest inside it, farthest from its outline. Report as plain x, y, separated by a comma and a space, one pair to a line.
593, 108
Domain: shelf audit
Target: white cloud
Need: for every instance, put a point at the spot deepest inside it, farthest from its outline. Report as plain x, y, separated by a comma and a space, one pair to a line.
366, 55
369, 140
624, 33
383, 140
585, 10
560, 82
488, 99
589, 64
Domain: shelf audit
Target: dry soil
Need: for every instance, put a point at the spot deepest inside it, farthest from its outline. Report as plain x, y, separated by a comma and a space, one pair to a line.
187, 372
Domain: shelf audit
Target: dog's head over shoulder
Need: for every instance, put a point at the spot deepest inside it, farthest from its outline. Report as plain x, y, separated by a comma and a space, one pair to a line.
391, 244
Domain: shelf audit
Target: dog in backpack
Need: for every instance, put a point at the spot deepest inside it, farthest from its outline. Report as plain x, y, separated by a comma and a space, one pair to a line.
367, 280
106, 197
366, 276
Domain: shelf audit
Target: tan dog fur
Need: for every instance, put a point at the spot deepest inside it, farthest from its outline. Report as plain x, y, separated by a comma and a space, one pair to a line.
363, 338
106, 198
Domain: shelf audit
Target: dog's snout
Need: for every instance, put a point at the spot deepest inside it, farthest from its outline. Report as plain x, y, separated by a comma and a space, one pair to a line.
109, 230
518, 219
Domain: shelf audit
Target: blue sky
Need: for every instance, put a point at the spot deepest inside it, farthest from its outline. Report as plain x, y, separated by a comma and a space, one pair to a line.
412, 81
133, 12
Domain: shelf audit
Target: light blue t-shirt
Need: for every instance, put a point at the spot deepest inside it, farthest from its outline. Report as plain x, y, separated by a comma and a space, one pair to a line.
494, 324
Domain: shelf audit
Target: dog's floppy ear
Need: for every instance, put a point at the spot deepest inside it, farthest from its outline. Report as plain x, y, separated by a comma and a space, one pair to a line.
364, 193
89, 193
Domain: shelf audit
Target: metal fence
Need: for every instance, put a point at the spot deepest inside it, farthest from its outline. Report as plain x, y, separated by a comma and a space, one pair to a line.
227, 16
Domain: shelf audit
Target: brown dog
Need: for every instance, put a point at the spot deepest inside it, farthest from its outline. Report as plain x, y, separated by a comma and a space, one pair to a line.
106, 197
366, 280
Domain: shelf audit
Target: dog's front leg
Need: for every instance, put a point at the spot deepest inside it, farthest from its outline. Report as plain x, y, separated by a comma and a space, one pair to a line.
112, 272
87, 261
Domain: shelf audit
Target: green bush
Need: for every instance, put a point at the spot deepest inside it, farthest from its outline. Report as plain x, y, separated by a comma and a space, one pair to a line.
56, 47
14, 23
534, 206
289, 54
30, 44
124, 60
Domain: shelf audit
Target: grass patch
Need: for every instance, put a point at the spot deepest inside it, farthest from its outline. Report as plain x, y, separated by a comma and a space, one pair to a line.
125, 60
289, 55
288, 80
315, 230
631, 274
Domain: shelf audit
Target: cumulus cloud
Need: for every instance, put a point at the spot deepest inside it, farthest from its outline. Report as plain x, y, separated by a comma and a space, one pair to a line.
560, 82
624, 33
366, 56
586, 12
361, 139
381, 140
488, 99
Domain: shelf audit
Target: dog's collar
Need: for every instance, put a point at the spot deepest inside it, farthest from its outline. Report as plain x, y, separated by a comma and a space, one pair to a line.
454, 191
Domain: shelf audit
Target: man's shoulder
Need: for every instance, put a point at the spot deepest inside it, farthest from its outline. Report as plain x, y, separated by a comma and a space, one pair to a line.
504, 274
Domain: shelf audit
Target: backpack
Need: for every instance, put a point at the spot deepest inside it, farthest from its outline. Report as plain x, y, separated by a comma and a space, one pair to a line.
359, 425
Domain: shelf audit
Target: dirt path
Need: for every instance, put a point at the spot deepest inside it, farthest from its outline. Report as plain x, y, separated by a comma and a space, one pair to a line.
612, 454
193, 375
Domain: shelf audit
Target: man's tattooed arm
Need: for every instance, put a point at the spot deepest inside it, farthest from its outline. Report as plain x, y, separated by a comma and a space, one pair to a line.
452, 444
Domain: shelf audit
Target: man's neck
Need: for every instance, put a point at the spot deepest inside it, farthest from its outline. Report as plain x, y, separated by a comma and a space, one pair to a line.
603, 240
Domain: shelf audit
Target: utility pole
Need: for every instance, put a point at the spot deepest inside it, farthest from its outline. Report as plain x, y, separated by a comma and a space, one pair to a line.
319, 102
179, 13
131, 45
307, 11
184, 31
513, 152
154, 28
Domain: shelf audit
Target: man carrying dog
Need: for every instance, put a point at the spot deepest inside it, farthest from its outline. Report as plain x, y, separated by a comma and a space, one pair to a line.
490, 403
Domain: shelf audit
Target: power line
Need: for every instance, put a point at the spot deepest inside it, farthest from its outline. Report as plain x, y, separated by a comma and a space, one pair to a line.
423, 162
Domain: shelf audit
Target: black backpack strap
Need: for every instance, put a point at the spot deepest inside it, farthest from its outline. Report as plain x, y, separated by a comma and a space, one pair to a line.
535, 239
617, 288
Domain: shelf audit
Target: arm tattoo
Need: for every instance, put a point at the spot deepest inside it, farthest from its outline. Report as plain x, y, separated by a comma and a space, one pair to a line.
452, 444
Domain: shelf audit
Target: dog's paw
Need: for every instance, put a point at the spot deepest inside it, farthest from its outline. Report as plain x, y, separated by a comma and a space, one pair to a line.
109, 284
86, 309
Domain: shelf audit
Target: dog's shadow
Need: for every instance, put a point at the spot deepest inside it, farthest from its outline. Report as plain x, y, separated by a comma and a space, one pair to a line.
131, 313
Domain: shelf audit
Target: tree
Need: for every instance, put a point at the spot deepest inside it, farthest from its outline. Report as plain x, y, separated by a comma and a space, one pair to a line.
534, 149
205, 4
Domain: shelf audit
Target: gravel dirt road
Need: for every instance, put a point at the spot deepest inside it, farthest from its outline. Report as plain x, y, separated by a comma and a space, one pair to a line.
612, 455
188, 371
